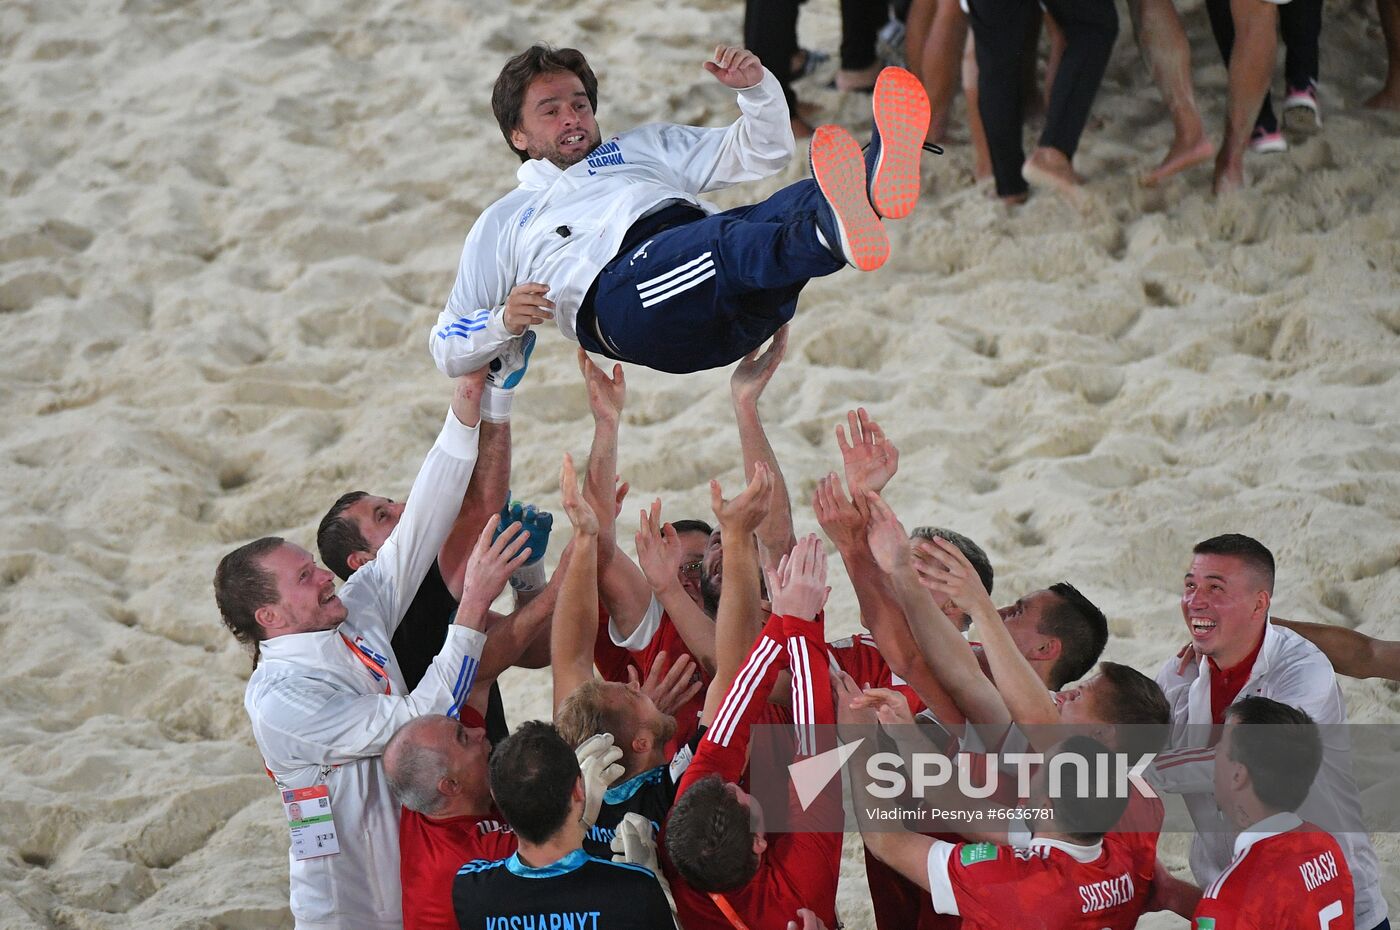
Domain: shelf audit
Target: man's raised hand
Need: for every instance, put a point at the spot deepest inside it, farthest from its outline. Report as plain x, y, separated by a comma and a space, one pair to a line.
669, 690
490, 566
756, 369
798, 586
888, 541
745, 512
584, 520
947, 573
659, 551
735, 67
841, 519
526, 305
606, 393
871, 460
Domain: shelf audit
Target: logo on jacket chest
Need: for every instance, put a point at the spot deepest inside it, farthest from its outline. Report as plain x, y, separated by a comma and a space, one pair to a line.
605, 156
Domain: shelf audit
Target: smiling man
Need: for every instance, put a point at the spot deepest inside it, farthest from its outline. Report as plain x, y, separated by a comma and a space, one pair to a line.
611, 240
1225, 601
326, 695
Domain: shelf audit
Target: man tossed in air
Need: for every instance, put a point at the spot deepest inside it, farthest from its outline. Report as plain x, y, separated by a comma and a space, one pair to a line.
611, 240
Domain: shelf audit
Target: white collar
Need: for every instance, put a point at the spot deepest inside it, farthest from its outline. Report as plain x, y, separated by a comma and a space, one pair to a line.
1085, 854
1269, 826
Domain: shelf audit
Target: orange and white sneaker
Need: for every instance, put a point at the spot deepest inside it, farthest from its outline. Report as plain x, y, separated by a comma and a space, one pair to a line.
901, 116
849, 225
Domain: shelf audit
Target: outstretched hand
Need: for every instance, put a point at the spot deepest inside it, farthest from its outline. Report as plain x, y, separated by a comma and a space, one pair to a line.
947, 573
842, 520
746, 511
668, 688
871, 460
581, 515
756, 369
659, 550
888, 541
798, 585
735, 67
491, 564
606, 393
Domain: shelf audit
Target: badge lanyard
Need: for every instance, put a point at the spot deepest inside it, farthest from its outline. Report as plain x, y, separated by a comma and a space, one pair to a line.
728, 911
374, 667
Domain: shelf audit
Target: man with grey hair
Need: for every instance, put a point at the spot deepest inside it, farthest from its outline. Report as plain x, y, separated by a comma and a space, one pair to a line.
975, 554
437, 769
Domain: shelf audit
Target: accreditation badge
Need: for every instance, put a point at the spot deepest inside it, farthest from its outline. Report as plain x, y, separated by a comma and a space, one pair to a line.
310, 821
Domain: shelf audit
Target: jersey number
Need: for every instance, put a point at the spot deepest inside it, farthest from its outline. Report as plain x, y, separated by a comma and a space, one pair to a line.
1328, 914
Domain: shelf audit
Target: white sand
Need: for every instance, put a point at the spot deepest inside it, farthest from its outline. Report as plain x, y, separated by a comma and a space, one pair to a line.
224, 236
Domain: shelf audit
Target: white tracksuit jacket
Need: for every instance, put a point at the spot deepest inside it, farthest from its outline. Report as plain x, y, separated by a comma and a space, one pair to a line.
317, 709
1292, 671
517, 240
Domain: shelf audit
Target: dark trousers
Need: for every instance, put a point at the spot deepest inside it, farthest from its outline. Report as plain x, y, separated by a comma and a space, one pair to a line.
999, 29
1300, 25
861, 21
706, 293
770, 32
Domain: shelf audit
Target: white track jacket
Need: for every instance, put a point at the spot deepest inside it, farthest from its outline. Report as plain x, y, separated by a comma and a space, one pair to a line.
1292, 671
319, 713
520, 238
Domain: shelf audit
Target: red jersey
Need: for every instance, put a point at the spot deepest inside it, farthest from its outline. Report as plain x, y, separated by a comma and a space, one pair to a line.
1049, 885
430, 853
1286, 875
798, 869
859, 657
654, 635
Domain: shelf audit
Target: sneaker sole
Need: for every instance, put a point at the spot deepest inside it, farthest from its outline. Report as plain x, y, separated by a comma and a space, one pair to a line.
838, 167
901, 111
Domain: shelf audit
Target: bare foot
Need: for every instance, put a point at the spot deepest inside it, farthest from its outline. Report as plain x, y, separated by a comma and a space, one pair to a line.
862, 80
1387, 98
1229, 176
1048, 167
1180, 157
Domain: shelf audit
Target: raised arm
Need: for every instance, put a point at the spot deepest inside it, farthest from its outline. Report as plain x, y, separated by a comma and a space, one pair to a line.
383, 588
625, 592
575, 613
758, 144
487, 491
949, 573
660, 553
844, 524
746, 386
740, 597
943, 648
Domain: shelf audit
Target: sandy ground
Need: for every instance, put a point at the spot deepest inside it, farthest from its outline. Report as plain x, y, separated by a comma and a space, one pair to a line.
225, 233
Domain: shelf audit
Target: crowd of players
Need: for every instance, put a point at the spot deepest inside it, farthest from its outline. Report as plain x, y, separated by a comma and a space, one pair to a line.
640, 804
631, 808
